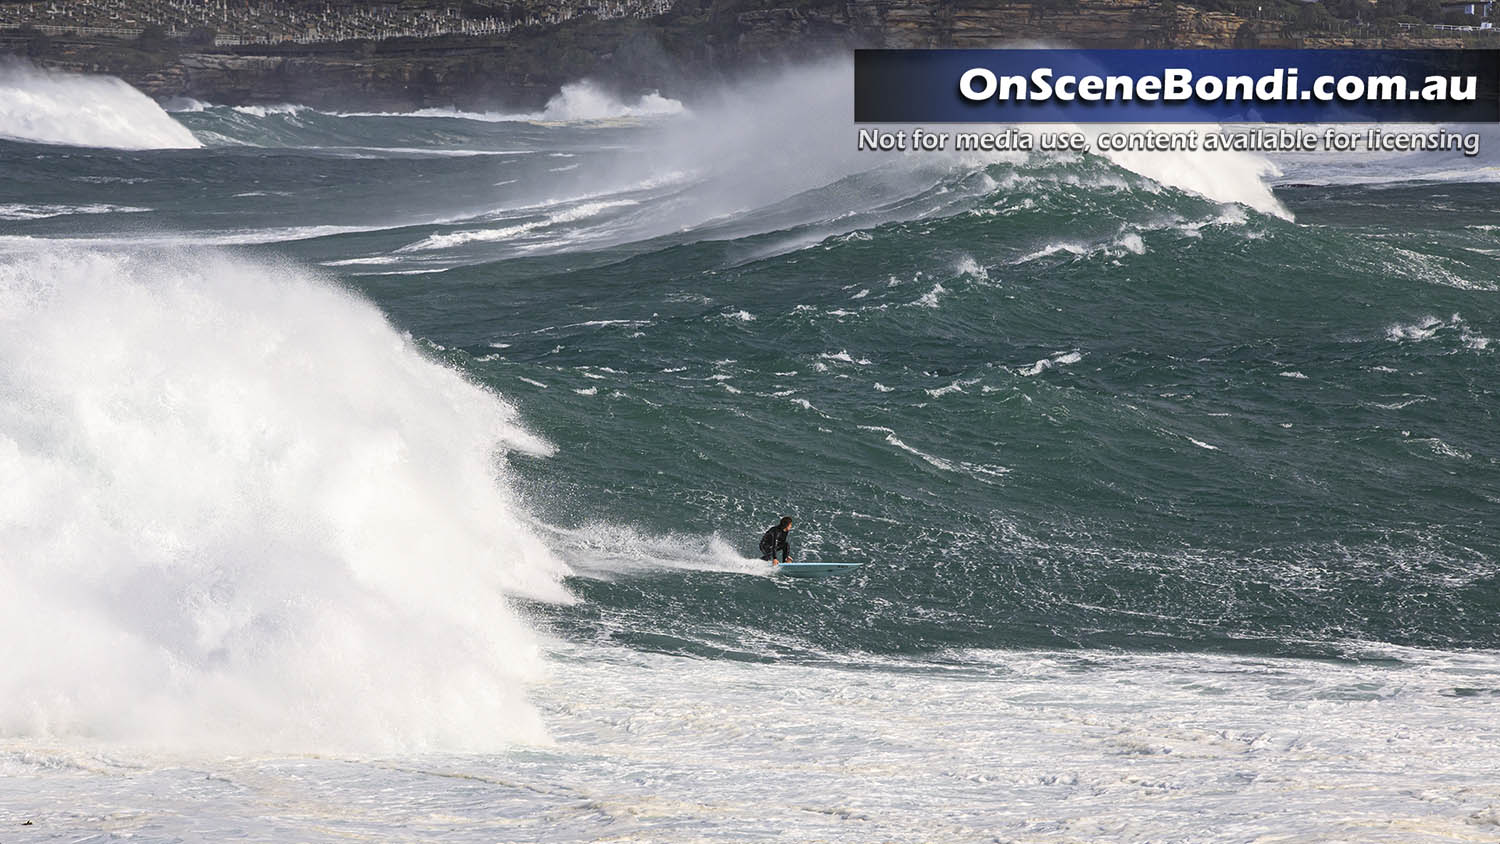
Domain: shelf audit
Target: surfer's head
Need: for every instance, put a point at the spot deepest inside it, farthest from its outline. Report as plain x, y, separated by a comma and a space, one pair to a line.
786, 522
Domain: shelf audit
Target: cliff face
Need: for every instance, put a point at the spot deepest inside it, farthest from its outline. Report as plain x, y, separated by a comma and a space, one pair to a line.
521, 73
675, 53
345, 81
1098, 23
1123, 24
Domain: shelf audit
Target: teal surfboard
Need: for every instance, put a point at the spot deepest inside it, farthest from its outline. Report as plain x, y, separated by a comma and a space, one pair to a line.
814, 569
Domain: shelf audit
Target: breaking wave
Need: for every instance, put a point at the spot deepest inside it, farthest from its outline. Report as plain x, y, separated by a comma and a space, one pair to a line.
248, 513
52, 107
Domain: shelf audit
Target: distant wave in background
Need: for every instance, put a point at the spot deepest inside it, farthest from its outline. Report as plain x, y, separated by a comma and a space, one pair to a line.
291, 124
88, 111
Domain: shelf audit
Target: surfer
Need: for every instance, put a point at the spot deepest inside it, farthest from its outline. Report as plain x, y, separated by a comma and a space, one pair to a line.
774, 541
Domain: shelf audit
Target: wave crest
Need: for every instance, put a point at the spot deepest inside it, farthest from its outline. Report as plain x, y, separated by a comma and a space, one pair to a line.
70, 109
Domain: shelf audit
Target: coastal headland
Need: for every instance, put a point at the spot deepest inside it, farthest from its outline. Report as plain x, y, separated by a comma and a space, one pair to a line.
488, 55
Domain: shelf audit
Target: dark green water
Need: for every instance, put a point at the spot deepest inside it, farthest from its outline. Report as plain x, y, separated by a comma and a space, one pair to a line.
1237, 442
1050, 402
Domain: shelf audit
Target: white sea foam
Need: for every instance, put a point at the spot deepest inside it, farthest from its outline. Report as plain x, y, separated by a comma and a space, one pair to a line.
1395, 261
1223, 176
52, 107
930, 298
955, 387
26, 211
970, 267
371, 260
1059, 359
214, 238
890, 437
1416, 331
1429, 326
583, 101
574, 214
238, 510
1046, 747
1132, 243
1127, 242
981, 472
604, 549
587, 101
184, 105
284, 109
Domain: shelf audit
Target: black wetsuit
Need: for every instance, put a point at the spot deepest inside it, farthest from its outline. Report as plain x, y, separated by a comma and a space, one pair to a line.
773, 544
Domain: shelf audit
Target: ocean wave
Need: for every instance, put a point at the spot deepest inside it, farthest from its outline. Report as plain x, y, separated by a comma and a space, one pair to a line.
574, 214
586, 101
1053, 362
1429, 326
268, 110
985, 473
1223, 176
52, 107
25, 211
1129, 239
241, 237
577, 102
251, 515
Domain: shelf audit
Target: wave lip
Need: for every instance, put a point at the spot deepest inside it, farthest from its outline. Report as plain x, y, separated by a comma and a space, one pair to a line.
69, 109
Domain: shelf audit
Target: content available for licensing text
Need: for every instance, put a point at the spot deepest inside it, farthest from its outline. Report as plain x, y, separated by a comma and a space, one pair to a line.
1370, 139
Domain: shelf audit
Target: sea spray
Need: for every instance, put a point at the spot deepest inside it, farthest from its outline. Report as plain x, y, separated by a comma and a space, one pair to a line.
52, 107
585, 100
804, 109
239, 510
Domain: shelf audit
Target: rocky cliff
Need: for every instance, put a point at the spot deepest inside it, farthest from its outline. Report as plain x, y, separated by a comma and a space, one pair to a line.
700, 41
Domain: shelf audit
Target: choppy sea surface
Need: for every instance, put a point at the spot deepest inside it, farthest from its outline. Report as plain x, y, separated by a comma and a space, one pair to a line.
398, 477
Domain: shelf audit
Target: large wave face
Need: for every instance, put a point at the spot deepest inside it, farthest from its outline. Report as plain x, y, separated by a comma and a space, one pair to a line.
52, 107
240, 510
